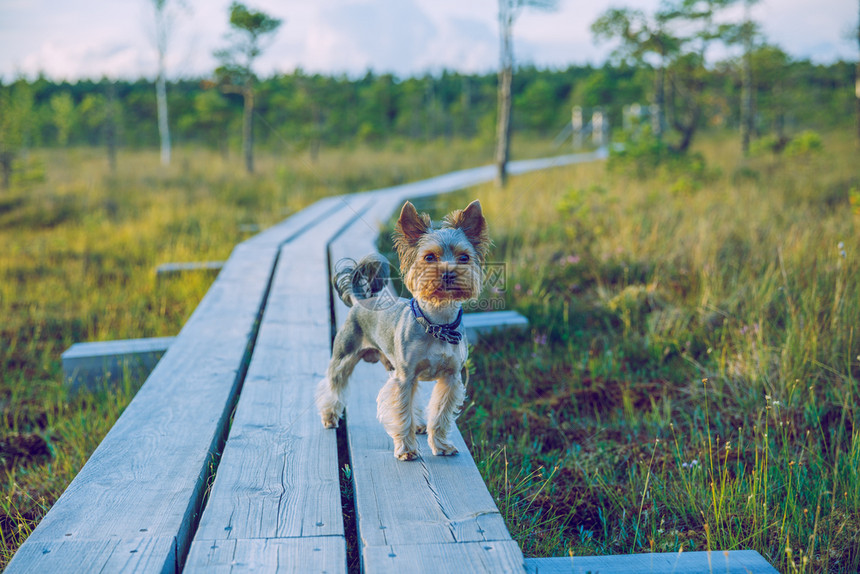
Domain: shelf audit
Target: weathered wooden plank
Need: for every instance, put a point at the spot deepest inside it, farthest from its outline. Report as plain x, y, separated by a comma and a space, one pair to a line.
433, 500
145, 480
103, 362
716, 562
282, 556
278, 476
477, 324
433, 505
497, 557
134, 555
297, 223
182, 267
527, 165
94, 362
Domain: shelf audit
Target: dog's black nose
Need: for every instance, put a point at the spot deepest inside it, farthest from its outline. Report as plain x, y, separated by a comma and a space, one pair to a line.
449, 278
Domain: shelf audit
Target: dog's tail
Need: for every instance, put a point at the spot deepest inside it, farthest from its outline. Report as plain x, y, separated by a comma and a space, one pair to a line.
363, 280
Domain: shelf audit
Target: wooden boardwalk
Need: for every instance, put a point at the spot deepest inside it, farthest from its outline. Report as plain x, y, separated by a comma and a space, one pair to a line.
221, 463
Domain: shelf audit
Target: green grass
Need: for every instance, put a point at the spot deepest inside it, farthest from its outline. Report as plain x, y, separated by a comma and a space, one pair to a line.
690, 380
80, 247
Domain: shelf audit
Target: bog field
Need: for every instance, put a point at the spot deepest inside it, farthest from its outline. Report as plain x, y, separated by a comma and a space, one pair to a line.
690, 378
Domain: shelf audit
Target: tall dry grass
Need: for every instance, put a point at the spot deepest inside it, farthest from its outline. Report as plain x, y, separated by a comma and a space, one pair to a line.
690, 379
80, 245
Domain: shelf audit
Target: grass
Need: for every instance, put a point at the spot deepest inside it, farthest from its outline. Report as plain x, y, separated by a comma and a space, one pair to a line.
690, 380
80, 245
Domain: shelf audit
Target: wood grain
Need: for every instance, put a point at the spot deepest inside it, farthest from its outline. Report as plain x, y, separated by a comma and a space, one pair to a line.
284, 556
497, 557
133, 505
145, 480
716, 562
278, 476
431, 509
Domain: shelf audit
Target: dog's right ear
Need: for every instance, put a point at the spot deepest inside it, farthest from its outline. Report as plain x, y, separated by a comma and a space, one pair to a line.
410, 227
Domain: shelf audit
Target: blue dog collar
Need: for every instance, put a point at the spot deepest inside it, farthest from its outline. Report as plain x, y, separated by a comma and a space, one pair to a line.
448, 333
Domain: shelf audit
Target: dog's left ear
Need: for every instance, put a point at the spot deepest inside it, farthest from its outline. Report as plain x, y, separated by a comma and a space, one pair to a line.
472, 223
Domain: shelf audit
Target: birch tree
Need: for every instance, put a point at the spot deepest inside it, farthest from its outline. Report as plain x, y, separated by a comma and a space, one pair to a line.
509, 11
163, 22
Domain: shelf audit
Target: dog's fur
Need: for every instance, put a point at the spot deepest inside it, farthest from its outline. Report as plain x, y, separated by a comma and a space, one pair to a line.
442, 267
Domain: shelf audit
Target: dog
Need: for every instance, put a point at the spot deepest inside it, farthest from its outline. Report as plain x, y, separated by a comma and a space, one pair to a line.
417, 339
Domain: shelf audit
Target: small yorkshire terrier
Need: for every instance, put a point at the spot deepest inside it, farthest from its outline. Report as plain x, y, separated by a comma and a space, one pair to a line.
417, 339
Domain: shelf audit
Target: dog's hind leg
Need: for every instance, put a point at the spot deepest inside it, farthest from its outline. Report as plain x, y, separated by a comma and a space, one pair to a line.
331, 390
419, 421
445, 402
394, 411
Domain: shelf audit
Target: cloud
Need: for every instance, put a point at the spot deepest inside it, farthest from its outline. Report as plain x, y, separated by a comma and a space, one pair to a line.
463, 44
91, 60
91, 38
387, 37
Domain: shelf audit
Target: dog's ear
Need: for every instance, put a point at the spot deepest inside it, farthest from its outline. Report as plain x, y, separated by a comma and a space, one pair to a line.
410, 227
472, 223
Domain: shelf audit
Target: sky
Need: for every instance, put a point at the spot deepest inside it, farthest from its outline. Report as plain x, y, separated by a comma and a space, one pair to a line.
70, 40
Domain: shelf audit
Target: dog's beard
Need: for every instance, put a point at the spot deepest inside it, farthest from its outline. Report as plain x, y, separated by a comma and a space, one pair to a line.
440, 283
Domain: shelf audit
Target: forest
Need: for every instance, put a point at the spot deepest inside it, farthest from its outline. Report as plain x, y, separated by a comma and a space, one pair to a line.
297, 111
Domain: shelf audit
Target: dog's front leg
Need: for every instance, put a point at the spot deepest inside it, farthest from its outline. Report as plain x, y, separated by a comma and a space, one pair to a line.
394, 411
445, 402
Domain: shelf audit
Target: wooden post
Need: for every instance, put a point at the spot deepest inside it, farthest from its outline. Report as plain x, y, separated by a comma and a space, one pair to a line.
656, 118
506, 72
110, 126
746, 85
635, 115
248, 124
576, 124
597, 127
6, 158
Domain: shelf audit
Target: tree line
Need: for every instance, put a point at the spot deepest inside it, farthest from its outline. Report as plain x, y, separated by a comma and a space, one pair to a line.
302, 110
762, 91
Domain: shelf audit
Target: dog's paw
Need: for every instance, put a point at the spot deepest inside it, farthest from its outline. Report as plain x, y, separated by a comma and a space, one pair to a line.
330, 420
442, 447
419, 423
406, 449
407, 455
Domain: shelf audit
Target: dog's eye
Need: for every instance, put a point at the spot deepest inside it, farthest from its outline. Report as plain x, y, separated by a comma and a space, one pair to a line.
430, 257
463, 258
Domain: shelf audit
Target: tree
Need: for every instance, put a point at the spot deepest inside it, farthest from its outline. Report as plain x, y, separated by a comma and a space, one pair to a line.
643, 38
745, 35
773, 76
163, 20
747, 88
236, 75
509, 10
63, 112
678, 34
16, 106
209, 117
